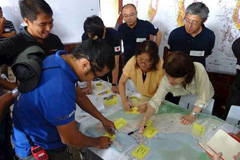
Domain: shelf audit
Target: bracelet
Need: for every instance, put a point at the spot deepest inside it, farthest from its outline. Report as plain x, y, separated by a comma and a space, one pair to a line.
114, 84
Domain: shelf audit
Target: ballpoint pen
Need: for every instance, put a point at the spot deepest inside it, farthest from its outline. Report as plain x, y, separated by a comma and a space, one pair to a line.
135, 130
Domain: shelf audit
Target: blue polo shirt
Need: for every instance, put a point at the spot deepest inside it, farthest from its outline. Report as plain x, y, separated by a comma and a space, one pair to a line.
52, 103
180, 40
132, 37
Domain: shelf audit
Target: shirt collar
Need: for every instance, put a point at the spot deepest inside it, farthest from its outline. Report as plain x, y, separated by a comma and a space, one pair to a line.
27, 35
64, 65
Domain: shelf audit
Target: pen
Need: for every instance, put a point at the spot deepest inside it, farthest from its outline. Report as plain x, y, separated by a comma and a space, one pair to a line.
135, 130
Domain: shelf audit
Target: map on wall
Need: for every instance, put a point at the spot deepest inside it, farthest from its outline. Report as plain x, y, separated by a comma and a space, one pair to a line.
223, 20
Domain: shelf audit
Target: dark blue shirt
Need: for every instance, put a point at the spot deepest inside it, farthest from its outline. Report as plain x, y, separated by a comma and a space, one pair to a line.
112, 37
52, 103
132, 37
180, 40
11, 47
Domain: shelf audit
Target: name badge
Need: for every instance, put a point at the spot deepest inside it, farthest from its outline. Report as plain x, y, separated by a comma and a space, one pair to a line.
7, 29
140, 39
197, 53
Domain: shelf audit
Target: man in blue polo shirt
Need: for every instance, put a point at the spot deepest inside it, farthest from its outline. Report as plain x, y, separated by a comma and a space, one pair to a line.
46, 114
94, 28
193, 38
134, 31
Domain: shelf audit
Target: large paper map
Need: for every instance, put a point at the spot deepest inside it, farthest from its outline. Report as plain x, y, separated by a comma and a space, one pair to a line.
173, 141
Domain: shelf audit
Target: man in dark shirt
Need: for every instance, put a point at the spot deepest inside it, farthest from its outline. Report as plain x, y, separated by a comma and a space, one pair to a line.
193, 38
94, 28
39, 24
134, 31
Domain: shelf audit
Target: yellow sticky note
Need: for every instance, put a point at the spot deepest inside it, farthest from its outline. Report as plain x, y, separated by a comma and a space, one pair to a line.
198, 129
141, 151
120, 123
134, 111
150, 132
112, 137
149, 123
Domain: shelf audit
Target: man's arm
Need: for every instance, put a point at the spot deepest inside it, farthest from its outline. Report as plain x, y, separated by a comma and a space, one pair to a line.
87, 106
7, 85
6, 101
158, 37
7, 35
115, 73
2, 21
71, 136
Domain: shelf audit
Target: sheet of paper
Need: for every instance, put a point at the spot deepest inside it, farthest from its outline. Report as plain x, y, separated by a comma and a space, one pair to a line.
150, 132
149, 123
223, 142
141, 151
120, 123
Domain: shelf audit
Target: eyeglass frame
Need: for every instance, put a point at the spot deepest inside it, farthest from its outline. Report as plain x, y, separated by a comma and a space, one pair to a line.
140, 61
192, 22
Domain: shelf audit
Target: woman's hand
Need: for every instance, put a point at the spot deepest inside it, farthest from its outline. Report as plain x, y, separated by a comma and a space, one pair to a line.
127, 105
187, 119
142, 108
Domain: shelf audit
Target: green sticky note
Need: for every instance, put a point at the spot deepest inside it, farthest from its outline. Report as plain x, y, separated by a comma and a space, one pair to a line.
141, 151
134, 111
198, 129
112, 137
120, 123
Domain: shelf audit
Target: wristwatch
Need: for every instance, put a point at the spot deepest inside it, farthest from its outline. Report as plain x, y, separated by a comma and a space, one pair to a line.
195, 114
114, 84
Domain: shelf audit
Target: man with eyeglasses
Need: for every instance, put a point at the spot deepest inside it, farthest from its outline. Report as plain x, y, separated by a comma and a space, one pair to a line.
45, 116
193, 38
134, 31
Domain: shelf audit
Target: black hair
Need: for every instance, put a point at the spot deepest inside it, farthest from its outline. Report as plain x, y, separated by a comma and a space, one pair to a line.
98, 52
178, 64
129, 4
94, 26
30, 9
151, 48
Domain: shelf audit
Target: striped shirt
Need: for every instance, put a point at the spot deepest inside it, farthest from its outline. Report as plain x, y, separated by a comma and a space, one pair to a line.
7, 28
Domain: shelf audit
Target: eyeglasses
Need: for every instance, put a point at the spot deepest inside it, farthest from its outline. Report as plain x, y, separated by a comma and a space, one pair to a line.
146, 62
194, 23
129, 15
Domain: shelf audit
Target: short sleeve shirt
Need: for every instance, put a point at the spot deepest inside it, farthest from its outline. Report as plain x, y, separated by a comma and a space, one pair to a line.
8, 27
52, 103
132, 37
152, 81
112, 37
197, 47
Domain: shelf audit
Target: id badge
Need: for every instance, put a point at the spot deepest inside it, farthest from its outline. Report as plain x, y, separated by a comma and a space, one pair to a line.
197, 53
140, 39
39, 153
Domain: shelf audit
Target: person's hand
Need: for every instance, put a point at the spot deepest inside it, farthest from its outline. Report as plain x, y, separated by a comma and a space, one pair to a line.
7, 99
142, 108
109, 125
187, 119
115, 89
87, 90
141, 125
127, 105
103, 143
216, 156
237, 156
